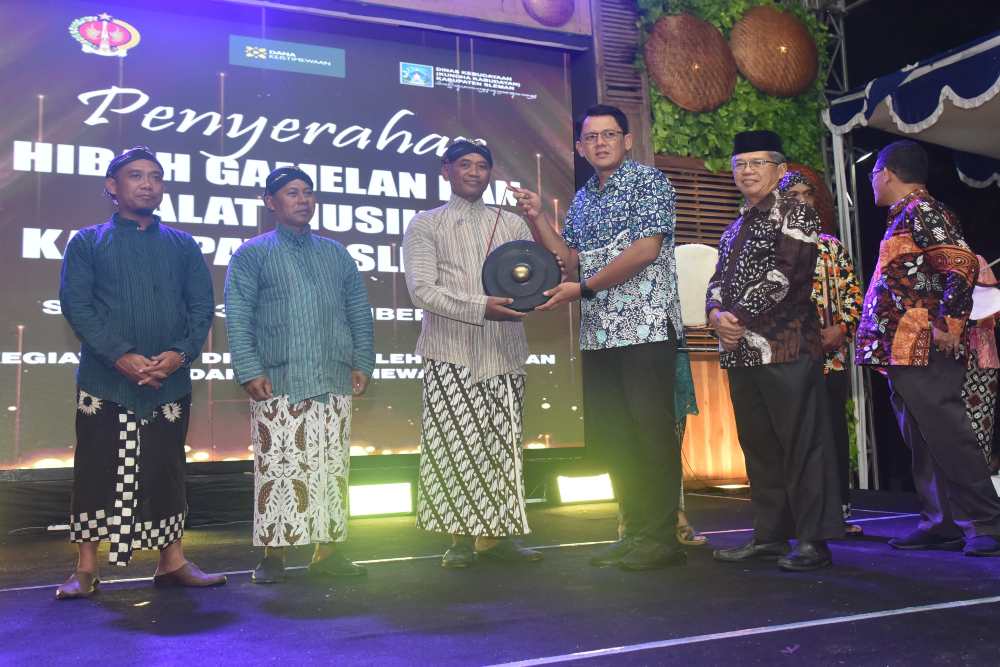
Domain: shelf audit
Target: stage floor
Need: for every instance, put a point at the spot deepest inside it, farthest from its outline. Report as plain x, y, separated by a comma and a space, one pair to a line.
876, 606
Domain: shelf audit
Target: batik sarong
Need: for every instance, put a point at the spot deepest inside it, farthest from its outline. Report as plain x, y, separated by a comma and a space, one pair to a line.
471, 458
128, 476
301, 463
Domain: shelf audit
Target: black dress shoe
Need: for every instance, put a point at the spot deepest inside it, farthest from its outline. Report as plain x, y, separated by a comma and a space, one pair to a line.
807, 556
80, 584
983, 545
458, 556
921, 539
647, 554
613, 553
752, 550
270, 570
336, 565
509, 550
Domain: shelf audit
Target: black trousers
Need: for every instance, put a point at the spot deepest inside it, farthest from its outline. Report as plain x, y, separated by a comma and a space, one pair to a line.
951, 477
783, 424
835, 383
628, 398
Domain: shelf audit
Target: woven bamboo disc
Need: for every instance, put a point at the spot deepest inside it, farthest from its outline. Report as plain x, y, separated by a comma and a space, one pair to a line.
774, 51
552, 13
690, 62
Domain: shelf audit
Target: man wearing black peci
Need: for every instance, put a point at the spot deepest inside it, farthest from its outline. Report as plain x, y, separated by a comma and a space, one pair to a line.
759, 303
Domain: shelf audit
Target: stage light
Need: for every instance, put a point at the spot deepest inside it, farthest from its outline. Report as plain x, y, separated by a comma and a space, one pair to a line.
584, 489
48, 463
864, 157
731, 488
372, 499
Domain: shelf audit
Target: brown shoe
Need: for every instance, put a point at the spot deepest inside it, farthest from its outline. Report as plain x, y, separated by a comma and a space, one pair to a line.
188, 575
79, 585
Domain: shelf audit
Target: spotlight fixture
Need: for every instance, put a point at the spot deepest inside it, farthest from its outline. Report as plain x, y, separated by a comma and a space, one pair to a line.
584, 489
376, 499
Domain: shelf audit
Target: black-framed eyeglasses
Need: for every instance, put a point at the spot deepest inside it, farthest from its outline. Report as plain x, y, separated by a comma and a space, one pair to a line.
755, 164
871, 176
607, 135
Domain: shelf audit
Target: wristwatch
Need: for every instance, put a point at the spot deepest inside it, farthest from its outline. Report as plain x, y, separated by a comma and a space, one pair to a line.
586, 292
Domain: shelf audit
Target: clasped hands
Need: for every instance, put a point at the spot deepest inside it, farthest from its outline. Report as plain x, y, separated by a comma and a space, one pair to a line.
148, 371
728, 327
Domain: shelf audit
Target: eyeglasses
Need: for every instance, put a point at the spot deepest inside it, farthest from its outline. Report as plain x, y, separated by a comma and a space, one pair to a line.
871, 176
755, 164
608, 136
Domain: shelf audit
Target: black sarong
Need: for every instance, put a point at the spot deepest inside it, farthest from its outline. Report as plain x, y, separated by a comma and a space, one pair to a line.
128, 476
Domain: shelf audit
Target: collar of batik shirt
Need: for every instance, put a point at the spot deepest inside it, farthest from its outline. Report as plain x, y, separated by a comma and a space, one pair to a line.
898, 205
467, 210
764, 205
121, 221
289, 235
615, 180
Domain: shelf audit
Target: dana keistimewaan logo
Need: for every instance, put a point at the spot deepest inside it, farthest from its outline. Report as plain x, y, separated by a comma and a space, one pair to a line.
104, 35
258, 52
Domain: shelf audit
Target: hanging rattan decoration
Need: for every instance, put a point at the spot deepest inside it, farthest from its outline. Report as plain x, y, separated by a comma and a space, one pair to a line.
551, 13
774, 51
690, 62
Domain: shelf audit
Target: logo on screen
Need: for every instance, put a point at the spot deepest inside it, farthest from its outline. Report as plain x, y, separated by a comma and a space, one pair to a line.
411, 74
103, 35
287, 56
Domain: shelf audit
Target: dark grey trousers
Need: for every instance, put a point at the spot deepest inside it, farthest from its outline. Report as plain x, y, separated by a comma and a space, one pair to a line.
951, 477
783, 424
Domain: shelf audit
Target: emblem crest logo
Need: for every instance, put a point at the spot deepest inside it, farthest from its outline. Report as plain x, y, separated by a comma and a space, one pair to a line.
104, 35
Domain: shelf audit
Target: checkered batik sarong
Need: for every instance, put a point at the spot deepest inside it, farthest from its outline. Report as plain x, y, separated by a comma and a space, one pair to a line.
302, 457
128, 476
471, 457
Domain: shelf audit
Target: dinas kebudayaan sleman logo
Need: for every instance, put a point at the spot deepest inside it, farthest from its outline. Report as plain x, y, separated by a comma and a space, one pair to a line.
104, 35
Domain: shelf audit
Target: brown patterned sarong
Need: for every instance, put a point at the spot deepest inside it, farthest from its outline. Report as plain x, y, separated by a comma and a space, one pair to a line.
301, 464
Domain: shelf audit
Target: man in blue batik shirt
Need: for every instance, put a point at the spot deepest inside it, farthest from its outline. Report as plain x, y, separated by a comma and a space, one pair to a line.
619, 235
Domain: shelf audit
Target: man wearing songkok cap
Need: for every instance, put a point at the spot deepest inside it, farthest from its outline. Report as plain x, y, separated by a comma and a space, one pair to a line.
474, 350
139, 296
914, 329
302, 344
759, 303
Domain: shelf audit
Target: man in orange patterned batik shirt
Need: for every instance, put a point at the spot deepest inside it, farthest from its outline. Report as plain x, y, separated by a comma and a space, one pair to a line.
912, 329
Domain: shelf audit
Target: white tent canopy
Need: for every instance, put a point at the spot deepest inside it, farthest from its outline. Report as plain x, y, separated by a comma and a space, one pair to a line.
952, 100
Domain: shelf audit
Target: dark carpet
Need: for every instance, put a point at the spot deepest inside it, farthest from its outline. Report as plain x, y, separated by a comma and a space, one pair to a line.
412, 612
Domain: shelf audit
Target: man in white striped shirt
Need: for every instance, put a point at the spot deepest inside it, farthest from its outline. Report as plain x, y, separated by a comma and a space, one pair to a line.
474, 349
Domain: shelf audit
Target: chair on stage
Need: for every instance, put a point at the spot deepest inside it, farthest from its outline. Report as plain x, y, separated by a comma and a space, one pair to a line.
695, 266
